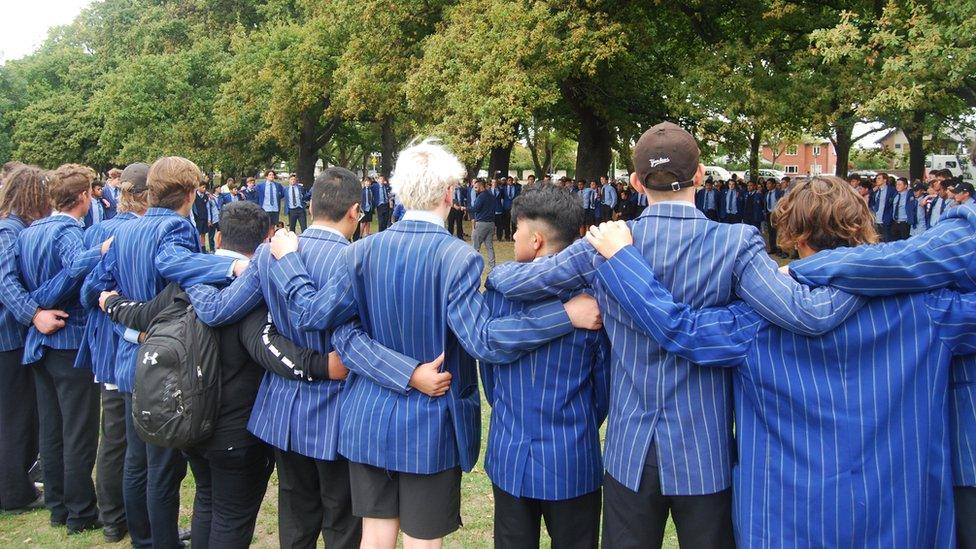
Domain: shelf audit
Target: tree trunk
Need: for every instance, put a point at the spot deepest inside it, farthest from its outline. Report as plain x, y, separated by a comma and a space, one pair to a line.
755, 141
842, 146
499, 160
915, 133
594, 139
308, 153
388, 147
473, 169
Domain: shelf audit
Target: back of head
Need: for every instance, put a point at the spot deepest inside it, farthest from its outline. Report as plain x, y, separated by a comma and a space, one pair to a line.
423, 174
666, 158
823, 212
557, 208
66, 183
335, 191
9, 168
24, 193
243, 227
133, 188
170, 180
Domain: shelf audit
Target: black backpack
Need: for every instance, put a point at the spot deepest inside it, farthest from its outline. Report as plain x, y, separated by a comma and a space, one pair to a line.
176, 396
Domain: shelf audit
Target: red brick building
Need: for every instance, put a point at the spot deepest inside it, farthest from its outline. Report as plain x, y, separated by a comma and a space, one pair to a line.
811, 157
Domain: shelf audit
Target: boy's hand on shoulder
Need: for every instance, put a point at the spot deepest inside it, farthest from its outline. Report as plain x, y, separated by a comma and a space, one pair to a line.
584, 312
103, 299
283, 243
240, 265
428, 379
107, 244
610, 237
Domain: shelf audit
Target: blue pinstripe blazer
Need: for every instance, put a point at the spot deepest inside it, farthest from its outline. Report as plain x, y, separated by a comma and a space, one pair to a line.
657, 396
843, 438
293, 414
53, 249
18, 307
547, 408
943, 256
416, 291
100, 341
159, 247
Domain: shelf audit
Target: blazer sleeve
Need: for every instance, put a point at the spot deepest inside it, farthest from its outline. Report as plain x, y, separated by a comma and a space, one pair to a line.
13, 295
368, 358
178, 259
600, 377
503, 339
76, 259
955, 316
782, 300
228, 305
570, 269
719, 336
278, 354
943, 256
314, 309
138, 315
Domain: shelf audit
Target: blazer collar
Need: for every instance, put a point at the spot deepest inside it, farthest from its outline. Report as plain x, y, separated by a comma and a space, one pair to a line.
320, 233
417, 227
673, 210
161, 212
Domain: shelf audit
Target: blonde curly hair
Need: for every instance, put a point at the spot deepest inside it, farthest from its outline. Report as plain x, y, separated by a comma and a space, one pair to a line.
423, 174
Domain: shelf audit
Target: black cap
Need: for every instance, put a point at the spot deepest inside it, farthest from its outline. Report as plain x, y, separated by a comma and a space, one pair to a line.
135, 174
963, 187
670, 149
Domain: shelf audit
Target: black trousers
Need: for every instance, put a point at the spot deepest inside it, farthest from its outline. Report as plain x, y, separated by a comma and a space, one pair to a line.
900, 231
965, 516
383, 213
67, 405
732, 218
503, 226
771, 230
455, 223
884, 231
110, 463
18, 431
314, 498
230, 486
296, 216
637, 519
571, 523
212, 237
273, 219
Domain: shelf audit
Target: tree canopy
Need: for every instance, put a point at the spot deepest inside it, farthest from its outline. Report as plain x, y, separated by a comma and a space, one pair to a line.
238, 85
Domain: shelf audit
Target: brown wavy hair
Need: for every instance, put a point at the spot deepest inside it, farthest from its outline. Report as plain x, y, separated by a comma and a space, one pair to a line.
67, 182
170, 180
24, 194
130, 201
825, 213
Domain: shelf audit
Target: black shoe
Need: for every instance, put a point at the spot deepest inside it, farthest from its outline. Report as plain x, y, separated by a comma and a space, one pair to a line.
114, 533
58, 523
93, 525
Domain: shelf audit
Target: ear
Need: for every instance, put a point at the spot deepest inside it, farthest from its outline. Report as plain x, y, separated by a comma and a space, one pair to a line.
636, 183
352, 213
699, 175
538, 241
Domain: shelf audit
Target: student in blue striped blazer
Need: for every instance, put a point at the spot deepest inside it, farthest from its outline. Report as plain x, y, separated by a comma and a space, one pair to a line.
147, 253
669, 436
23, 200
300, 417
941, 257
97, 353
543, 456
867, 462
407, 450
67, 398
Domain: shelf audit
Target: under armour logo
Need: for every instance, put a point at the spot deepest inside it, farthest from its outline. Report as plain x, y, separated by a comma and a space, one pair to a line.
658, 161
147, 358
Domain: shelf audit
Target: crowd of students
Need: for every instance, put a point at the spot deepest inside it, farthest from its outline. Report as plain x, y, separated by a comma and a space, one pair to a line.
752, 407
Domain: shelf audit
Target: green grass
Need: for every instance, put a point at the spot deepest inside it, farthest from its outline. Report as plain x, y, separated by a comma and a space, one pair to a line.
33, 529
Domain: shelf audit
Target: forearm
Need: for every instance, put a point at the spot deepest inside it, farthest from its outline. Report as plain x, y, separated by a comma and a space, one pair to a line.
368, 358
570, 269
708, 337
313, 309
277, 354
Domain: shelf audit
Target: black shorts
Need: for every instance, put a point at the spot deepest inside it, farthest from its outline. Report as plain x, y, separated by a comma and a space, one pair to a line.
428, 506
367, 217
589, 217
203, 228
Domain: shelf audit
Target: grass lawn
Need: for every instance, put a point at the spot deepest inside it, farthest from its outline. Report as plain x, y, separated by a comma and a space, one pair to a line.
33, 529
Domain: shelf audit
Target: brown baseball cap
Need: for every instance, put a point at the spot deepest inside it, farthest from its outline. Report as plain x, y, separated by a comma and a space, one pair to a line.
136, 174
667, 148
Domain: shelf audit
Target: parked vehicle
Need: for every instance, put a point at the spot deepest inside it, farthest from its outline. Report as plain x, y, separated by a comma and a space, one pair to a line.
717, 173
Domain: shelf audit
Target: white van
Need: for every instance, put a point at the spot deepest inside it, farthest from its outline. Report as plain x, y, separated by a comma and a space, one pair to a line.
958, 165
717, 173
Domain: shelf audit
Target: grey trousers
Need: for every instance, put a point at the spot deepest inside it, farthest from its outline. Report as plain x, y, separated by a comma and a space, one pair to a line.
484, 231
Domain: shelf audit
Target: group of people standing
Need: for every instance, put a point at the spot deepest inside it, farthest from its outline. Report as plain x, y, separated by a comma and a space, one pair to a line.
831, 406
